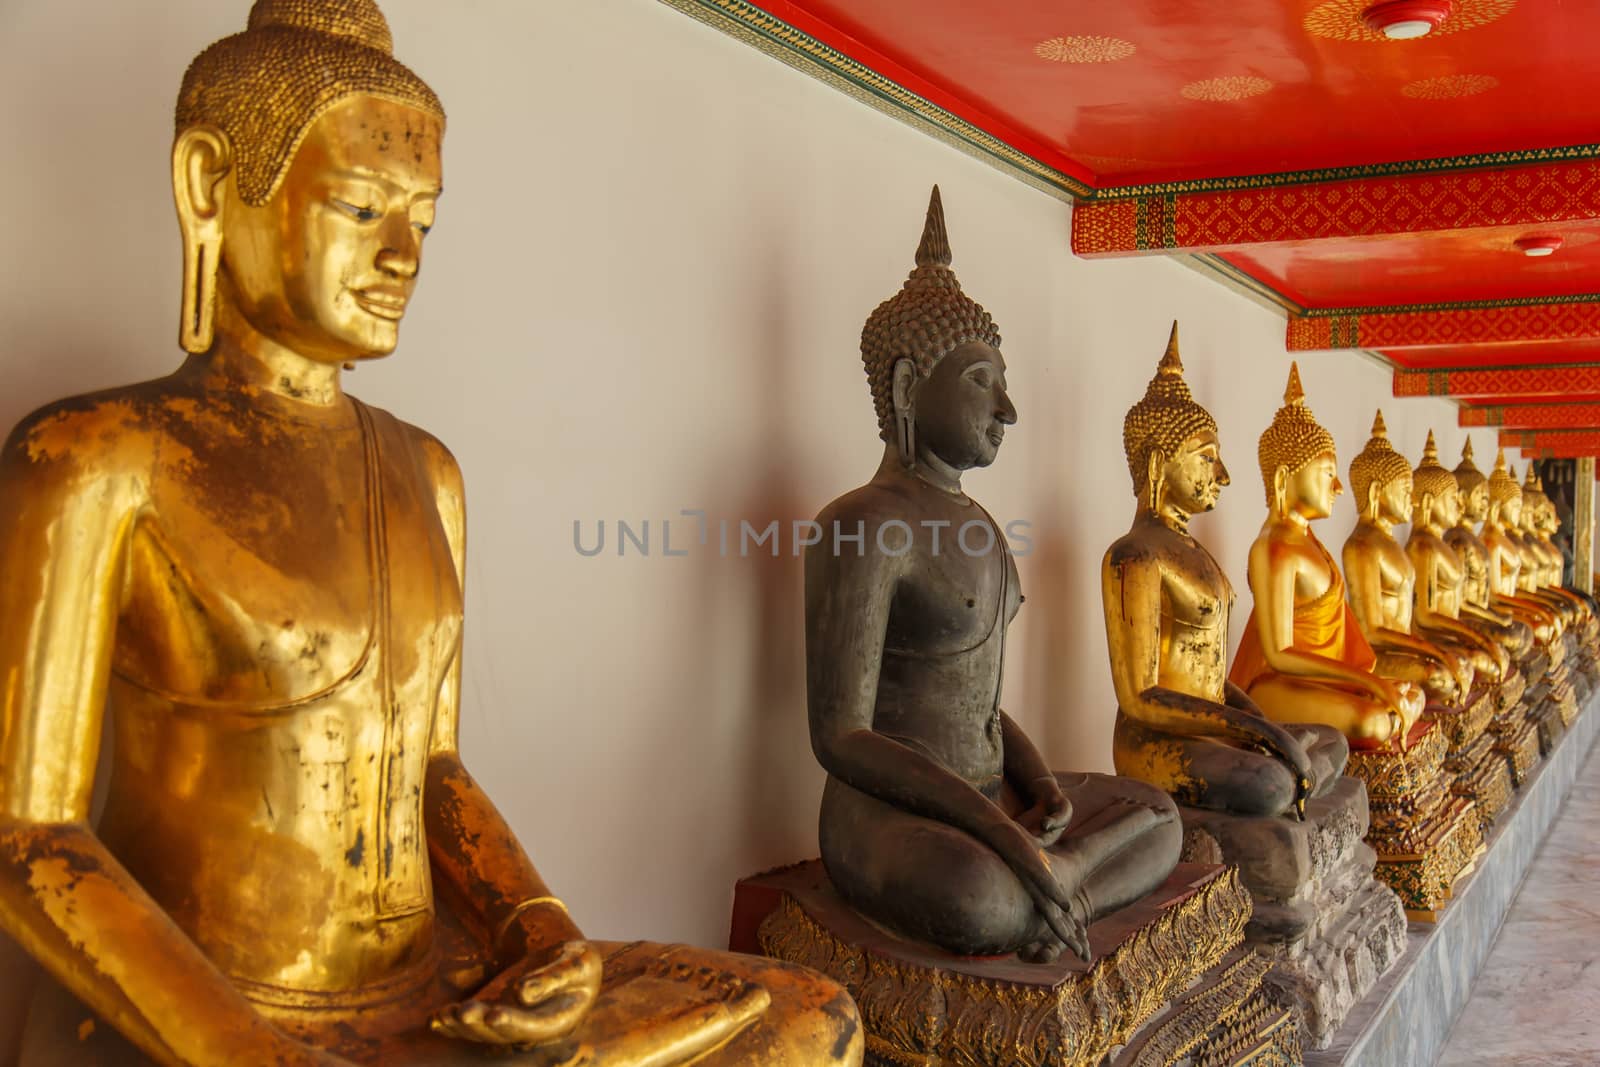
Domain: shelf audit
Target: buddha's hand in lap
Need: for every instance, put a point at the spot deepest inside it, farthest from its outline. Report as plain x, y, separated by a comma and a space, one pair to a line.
1282, 744
536, 1002
1036, 869
1050, 812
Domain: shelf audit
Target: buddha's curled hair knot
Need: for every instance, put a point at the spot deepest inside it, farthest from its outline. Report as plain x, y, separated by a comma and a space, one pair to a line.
1164, 419
1468, 476
1294, 439
296, 59
1378, 464
1503, 487
926, 320
1430, 478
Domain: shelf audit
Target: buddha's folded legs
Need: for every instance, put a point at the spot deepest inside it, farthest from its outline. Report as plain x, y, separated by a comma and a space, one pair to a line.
1431, 674
1210, 772
936, 883
1357, 716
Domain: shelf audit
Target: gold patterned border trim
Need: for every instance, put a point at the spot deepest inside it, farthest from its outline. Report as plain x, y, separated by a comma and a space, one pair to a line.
1461, 305
780, 40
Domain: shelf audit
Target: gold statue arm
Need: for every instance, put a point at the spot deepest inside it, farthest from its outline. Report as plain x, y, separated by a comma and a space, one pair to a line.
472, 850
1274, 571
1130, 592
1434, 573
66, 524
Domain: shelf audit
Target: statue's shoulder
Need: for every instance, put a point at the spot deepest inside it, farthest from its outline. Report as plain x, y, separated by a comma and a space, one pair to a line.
1133, 549
438, 463
111, 430
877, 501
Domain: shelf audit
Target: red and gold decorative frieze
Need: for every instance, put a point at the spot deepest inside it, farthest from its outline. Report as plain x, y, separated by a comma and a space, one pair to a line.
1549, 381
1531, 416
1313, 211
1435, 325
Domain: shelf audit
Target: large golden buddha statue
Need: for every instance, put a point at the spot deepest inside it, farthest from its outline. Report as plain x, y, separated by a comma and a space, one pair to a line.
1542, 563
1181, 724
1383, 581
1303, 657
1476, 601
253, 582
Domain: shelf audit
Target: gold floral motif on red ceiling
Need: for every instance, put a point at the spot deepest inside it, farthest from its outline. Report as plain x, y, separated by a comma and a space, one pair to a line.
1341, 20
1544, 193
1231, 87
1084, 49
1449, 87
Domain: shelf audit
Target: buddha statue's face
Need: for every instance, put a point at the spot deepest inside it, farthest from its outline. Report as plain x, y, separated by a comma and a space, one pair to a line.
1476, 507
327, 265
1310, 491
962, 409
1511, 513
1193, 479
1447, 508
1394, 499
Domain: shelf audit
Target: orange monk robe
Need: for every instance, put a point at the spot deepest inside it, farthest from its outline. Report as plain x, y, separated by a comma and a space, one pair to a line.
1325, 626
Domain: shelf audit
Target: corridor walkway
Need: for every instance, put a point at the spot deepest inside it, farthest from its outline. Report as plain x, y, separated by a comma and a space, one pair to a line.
1537, 1001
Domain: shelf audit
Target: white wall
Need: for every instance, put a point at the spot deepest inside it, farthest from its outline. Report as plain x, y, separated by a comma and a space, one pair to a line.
644, 294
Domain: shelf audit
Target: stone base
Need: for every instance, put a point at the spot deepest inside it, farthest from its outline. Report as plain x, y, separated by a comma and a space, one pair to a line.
1407, 1018
1176, 951
1326, 925
1425, 838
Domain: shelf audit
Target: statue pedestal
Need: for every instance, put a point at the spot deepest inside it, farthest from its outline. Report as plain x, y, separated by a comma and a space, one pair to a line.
1425, 837
1479, 774
1170, 978
1516, 740
1327, 925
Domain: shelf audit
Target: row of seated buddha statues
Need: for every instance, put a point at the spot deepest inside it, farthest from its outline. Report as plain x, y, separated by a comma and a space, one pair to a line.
981, 908
253, 582
1268, 797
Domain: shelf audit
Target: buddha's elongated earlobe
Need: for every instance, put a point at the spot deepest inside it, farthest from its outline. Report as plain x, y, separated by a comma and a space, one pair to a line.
200, 161
905, 417
1154, 464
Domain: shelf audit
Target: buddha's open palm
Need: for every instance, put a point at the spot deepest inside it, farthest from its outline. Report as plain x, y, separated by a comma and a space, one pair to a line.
527, 1004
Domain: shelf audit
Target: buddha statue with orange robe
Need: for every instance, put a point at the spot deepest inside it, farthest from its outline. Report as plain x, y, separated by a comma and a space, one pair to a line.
253, 582
1303, 657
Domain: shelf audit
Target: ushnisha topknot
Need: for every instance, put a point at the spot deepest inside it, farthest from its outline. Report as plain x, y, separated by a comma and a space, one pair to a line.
1377, 464
1468, 476
1164, 419
1503, 486
924, 322
1430, 478
1295, 438
296, 59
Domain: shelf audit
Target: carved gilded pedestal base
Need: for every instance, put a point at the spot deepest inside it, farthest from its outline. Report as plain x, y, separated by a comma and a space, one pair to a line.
1327, 926
1425, 838
1173, 960
1476, 771
1516, 740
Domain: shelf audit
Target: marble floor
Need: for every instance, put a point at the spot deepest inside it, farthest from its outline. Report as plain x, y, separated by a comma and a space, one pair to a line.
1537, 999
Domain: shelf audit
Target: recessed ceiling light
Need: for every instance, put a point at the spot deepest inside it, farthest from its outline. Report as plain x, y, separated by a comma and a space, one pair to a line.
1539, 245
1405, 20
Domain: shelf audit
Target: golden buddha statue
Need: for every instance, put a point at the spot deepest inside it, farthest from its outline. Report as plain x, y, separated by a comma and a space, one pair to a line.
1382, 579
1505, 552
1181, 724
1303, 657
1542, 560
1476, 606
253, 581
1441, 577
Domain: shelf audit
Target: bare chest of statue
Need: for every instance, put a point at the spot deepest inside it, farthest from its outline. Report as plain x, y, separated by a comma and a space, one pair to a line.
290, 610
944, 647
1474, 560
1196, 599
